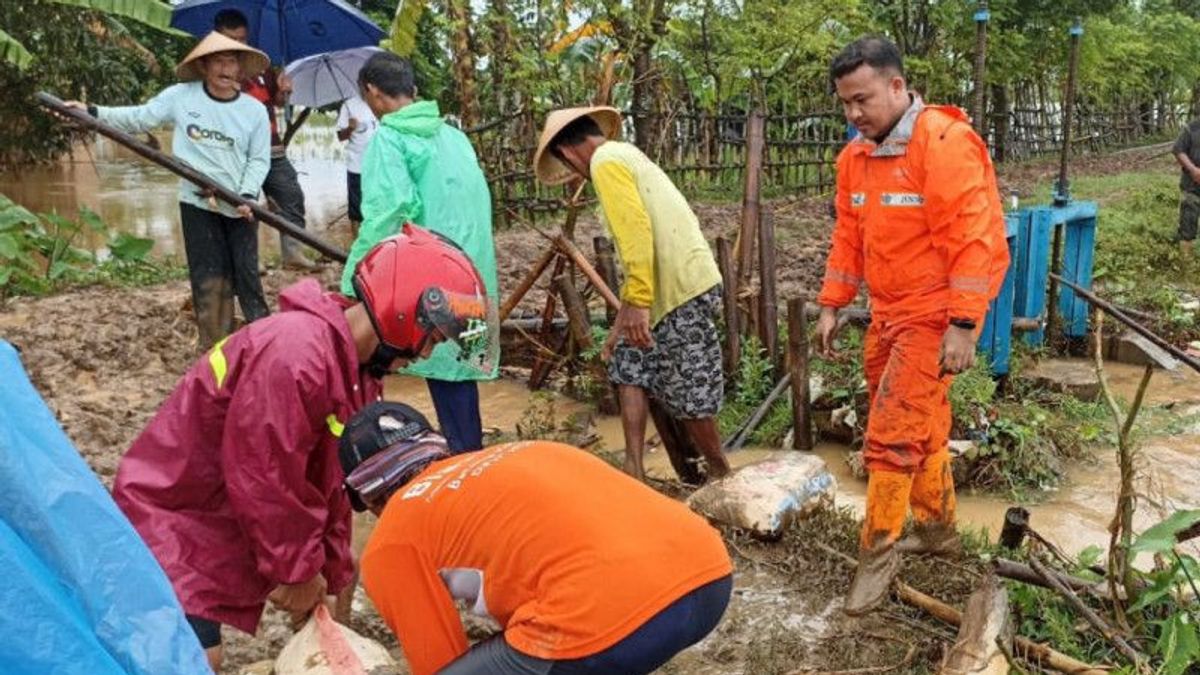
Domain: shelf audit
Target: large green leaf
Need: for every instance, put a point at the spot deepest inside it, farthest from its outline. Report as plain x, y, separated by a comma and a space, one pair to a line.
13, 52
150, 12
1178, 645
13, 214
128, 248
1161, 537
403, 37
10, 248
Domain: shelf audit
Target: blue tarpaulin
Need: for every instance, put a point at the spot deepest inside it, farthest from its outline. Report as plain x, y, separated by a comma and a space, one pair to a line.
79, 591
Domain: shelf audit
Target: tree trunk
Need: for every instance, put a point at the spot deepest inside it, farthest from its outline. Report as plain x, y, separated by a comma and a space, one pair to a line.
459, 12
1000, 111
501, 51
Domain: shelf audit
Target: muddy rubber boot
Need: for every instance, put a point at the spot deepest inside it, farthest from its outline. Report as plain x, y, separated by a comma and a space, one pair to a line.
291, 256
877, 567
939, 539
212, 301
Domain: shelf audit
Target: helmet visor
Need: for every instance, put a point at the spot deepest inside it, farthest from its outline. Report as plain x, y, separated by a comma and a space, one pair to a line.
469, 322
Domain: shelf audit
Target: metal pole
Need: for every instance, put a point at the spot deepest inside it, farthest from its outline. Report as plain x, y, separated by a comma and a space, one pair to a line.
1062, 190
183, 170
978, 112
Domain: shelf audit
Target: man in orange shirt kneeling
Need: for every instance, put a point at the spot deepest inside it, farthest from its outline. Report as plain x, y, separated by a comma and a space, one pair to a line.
587, 570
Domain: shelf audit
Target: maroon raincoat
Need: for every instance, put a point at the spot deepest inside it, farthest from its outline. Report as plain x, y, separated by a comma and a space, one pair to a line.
235, 484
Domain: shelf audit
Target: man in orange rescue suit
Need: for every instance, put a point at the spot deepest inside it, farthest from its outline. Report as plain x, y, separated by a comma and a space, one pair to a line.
919, 218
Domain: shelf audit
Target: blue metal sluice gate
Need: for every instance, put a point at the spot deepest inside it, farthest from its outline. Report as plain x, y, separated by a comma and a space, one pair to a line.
1024, 293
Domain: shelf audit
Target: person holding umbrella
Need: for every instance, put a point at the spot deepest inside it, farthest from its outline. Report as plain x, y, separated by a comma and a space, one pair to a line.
419, 169
225, 136
282, 185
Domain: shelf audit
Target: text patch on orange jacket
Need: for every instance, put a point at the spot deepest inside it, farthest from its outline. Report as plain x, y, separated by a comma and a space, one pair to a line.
919, 219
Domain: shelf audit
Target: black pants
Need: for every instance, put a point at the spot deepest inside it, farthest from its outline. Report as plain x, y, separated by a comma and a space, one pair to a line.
457, 406
282, 185
222, 256
354, 196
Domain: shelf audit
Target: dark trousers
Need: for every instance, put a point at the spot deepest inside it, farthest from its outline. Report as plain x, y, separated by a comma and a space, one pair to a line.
222, 257
682, 624
457, 406
282, 185
354, 196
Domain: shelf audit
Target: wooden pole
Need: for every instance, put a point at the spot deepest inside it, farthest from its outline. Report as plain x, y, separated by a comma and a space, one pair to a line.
606, 265
577, 313
802, 437
588, 271
544, 364
530, 279
733, 332
186, 172
1025, 648
751, 207
768, 301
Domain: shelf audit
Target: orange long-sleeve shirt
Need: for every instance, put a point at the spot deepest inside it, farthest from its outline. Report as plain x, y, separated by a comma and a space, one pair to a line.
567, 553
919, 219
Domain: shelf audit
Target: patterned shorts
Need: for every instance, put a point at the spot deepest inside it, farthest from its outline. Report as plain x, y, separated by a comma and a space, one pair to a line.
682, 371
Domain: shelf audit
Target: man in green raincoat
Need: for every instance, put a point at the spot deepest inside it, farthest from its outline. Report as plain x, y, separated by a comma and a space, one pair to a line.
419, 169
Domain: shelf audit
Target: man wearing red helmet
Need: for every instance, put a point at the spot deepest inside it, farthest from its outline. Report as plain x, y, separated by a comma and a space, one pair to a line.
235, 484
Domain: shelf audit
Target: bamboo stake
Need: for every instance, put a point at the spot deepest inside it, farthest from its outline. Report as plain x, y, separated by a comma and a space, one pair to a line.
798, 368
586, 267
742, 435
527, 283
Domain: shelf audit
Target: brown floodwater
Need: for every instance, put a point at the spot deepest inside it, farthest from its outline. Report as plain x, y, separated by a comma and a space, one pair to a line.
133, 195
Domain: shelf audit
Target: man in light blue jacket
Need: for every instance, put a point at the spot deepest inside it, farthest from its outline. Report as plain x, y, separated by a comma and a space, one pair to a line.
421, 170
226, 136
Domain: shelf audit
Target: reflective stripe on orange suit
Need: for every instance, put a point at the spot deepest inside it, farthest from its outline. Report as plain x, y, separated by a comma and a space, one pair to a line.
919, 219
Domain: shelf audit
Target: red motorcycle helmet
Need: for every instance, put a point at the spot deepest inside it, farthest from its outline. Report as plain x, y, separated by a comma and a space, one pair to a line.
418, 286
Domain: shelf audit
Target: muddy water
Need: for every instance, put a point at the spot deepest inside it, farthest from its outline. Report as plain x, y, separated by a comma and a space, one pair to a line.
132, 195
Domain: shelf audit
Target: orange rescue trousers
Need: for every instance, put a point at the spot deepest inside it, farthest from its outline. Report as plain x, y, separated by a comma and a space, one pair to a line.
907, 451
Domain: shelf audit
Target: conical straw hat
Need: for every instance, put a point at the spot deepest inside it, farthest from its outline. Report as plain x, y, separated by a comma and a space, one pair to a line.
548, 168
253, 61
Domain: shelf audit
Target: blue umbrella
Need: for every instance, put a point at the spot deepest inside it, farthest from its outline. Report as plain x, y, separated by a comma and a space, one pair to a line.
286, 29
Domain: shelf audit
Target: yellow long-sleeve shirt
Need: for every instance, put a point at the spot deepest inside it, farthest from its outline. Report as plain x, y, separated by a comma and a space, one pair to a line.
658, 239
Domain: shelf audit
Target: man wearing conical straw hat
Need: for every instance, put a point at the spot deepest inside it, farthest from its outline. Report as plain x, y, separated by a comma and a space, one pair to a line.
225, 136
664, 341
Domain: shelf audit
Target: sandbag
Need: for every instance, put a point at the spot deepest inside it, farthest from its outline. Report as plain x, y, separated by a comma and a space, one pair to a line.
325, 647
766, 496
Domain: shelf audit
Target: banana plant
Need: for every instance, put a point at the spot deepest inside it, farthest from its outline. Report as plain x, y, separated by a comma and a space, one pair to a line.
150, 12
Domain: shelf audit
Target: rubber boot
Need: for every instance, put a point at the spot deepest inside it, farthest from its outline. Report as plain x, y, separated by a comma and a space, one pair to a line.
213, 304
933, 504
291, 255
878, 561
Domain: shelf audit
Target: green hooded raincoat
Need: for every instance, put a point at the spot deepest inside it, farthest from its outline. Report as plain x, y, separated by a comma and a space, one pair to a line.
420, 169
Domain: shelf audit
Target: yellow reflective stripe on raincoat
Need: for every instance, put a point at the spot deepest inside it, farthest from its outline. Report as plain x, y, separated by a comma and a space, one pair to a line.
335, 425
216, 359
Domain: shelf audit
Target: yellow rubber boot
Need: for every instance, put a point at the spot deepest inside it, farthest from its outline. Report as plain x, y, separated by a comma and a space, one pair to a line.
878, 561
933, 505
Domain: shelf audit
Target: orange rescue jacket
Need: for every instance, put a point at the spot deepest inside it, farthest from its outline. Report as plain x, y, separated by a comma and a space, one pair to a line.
919, 217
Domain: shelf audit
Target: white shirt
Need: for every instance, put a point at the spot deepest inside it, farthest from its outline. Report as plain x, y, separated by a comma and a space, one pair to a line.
356, 147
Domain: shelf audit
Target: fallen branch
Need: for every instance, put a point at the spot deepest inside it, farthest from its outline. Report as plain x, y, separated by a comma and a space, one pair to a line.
530, 279
1052, 580
1024, 647
1011, 569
